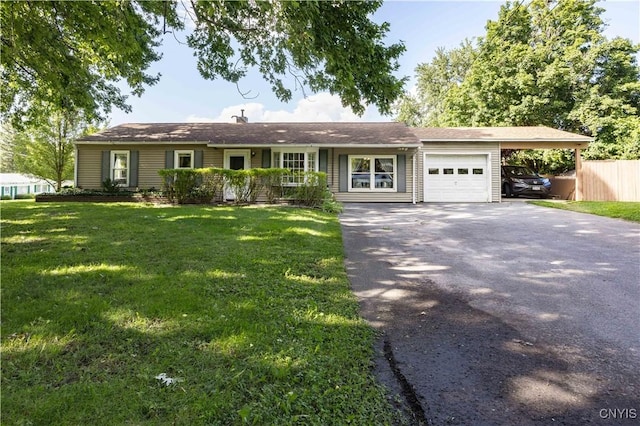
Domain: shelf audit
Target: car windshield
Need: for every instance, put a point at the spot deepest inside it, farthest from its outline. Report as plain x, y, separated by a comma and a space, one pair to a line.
520, 171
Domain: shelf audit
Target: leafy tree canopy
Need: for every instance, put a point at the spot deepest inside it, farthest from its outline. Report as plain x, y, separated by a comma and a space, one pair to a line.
70, 55
541, 63
447, 69
45, 150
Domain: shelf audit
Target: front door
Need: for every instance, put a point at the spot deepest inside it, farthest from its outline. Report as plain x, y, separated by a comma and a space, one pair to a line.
235, 159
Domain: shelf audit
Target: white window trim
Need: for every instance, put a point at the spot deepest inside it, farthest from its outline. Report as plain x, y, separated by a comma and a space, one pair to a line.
372, 173
301, 150
176, 156
113, 166
228, 153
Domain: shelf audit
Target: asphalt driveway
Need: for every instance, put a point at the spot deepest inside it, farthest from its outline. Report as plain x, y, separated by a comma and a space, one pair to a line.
500, 313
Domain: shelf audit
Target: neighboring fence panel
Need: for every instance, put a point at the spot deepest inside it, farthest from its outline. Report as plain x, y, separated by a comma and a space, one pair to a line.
563, 187
610, 180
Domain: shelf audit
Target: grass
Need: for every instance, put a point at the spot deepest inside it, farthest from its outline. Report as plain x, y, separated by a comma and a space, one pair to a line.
615, 209
250, 308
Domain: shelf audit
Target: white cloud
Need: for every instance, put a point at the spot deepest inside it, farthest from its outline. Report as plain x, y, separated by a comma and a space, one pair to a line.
321, 107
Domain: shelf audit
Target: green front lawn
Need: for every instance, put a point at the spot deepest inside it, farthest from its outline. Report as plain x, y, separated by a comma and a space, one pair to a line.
616, 209
248, 308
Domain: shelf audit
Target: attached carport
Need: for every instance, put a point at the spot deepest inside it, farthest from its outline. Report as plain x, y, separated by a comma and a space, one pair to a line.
462, 164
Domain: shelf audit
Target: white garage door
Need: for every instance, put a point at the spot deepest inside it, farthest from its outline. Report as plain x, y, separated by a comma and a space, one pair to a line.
456, 178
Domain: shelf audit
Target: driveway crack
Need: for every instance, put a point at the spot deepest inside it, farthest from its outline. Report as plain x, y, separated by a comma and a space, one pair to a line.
408, 391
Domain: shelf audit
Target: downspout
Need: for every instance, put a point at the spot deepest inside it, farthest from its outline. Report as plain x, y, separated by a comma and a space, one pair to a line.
75, 167
413, 185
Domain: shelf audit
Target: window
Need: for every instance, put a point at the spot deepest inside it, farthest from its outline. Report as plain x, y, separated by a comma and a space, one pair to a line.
120, 167
183, 160
463, 171
372, 173
298, 161
434, 171
447, 171
478, 171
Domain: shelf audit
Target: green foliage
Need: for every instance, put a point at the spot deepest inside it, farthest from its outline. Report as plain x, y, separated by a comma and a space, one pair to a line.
435, 79
331, 46
179, 184
72, 55
243, 184
110, 186
311, 192
250, 307
549, 161
207, 185
540, 63
25, 196
44, 149
271, 182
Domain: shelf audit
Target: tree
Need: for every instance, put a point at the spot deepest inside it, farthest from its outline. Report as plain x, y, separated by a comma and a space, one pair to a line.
447, 69
72, 54
46, 150
546, 63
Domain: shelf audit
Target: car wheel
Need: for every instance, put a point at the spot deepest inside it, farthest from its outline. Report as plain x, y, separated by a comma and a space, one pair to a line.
507, 191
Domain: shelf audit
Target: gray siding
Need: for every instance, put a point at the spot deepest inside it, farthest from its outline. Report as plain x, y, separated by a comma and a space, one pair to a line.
387, 197
150, 160
89, 167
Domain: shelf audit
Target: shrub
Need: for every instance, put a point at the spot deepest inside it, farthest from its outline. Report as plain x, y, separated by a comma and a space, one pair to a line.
330, 204
270, 181
311, 192
211, 185
25, 196
208, 185
110, 186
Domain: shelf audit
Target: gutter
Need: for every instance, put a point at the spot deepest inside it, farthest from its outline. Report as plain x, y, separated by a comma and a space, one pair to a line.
311, 145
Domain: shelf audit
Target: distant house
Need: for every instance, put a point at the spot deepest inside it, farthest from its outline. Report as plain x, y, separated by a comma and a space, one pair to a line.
14, 184
364, 162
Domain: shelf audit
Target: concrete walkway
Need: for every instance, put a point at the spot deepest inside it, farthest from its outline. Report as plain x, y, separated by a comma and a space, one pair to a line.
500, 313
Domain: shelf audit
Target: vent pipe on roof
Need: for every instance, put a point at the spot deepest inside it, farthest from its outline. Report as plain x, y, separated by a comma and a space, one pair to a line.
242, 119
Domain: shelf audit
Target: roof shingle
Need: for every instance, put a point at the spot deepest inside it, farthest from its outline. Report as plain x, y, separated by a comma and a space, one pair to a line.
257, 134
500, 134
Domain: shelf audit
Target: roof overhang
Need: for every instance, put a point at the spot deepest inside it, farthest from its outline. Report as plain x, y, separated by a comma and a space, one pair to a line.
518, 137
312, 145
540, 144
81, 142
518, 144
254, 146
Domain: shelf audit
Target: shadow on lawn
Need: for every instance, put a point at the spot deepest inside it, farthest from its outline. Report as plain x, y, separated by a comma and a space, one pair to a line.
255, 319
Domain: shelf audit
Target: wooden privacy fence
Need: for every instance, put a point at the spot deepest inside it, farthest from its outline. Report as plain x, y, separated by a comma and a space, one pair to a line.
610, 180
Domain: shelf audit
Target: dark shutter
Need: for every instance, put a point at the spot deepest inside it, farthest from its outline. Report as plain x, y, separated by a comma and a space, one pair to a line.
343, 173
266, 158
402, 173
323, 160
198, 160
133, 168
106, 166
168, 159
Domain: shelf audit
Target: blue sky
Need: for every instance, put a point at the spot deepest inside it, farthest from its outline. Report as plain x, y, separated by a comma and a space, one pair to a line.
182, 95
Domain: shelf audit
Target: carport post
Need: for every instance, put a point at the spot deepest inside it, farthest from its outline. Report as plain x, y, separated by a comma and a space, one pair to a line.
578, 175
